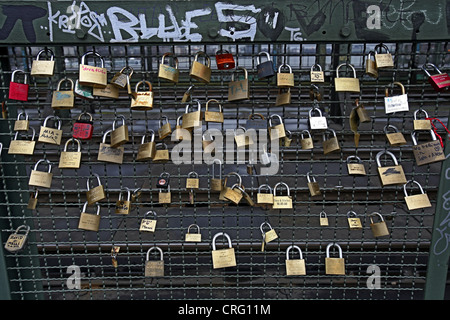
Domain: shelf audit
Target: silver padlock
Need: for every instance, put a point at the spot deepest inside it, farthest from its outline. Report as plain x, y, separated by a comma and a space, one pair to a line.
317, 122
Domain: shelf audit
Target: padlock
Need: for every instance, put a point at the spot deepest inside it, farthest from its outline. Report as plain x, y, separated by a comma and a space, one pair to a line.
256, 121
238, 90
295, 267
316, 75
149, 224
355, 166
51, 135
216, 183
278, 128
224, 60
223, 258
285, 80
147, 150
40, 178
201, 72
371, 65
18, 91
16, 241
306, 142
70, 159
421, 124
283, 97
142, 100
313, 185
315, 94
234, 194
164, 129
109, 91
83, 92
154, 268
161, 155
179, 133
396, 103
193, 237
23, 147
22, 124
439, 81
416, 201
122, 78
346, 84
331, 144
213, 116
43, 68
92, 76
383, 60
379, 229
264, 198
390, 175
354, 222
163, 180
114, 252
427, 152
83, 128
287, 140
243, 138
165, 197
167, 72
323, 219
95, 194
63, 99
317, 122
123, 206
244, 194
32, 201
191, 120
264, 70
192, 181
224, 187
89, 221
119, 135
395, 138
107, 153
334, 266
361, 111
267, 236
282, 202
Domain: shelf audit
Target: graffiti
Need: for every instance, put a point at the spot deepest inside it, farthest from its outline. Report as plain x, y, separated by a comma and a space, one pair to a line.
27, 14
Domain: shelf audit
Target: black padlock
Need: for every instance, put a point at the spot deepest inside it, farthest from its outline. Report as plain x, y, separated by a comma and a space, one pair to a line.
264, 69
163, 180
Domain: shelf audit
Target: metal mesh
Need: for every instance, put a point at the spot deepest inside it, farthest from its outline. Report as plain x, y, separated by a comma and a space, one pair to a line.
401, 257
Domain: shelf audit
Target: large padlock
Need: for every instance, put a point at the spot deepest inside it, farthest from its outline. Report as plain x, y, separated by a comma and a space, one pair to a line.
383, 60
354, 222
161, 153
313, 185
439, 81
223, 258
147, 150
63, 99
330, 144
70, 159
40, 178
295, 267
95, 194
256, 121
371, 65
395, 138
142, 100
396, 103
201, 72
282, 202
317, 122
264, 197
216, 183
83, 128
421, 124
22, 124
168, 72
107, 153
355, 166
93, 76
390, 175
427, 152
119, 135
16, 241
148, 224
154, 268
307, 143
285, 80
316, 75
83, 92
238, 90
224, 60
122, 78
276, 131
89, 221
334, 266
191, 120
23, 147
346, 84
283, 97
164, 129
193, 237
416, 201
43, 68
123, 206
379, 229
17, 90
264, 70
51, 135
213, 116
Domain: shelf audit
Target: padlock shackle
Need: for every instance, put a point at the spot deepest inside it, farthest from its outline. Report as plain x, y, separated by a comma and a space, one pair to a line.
414, 182
265, 186
220, 167
32, 136
49, 164
105, 134
73, 140
328, 130
148, 83
353, 157
305, 131
122, 117
431, 66
277, 116
128, 194
218, 235
189, 105
281, 184
85, 113
332, 244
174, 58
347, 65
88, 180
203, 54
85, 208
55, 118
322, 214
152, 136
192, 173
23, 113
420, 111
294, 247
127, 68
92, 53
314, 66
65, 79
25, 77
161, 121
213, 100
286, 66
154, 248
351, 213
314, 93
390, 126
378, 157
263, 224
313, 109
414, 138
396, 83
23, 226
52, 55
162, 144
379, 47
308, 178
252, 115
371, 54
193, 225
375, 214
258, 61
236, 70
149, 212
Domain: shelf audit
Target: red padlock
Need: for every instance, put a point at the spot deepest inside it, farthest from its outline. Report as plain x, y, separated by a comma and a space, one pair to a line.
18, 91
82, 128
440, 81
224, 60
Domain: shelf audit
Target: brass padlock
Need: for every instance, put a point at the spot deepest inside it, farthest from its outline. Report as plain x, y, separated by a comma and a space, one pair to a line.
243, 138
16, 241
397, 103
164, 129
416, 201
191, 120
142, 100
264, 198
313, 185
383, 60
216, 183
147, 150
287, 140
285, 80
24, 147
192, 180
267, 236
283, 97
223, 258
32, 201
89, 221
63, 99
379, 229
193, 237
354, 222
201, 72
167, 72
391, 175
154, 268
264, 70
187, 96
40, 178
107, 153
234, 194
395, 138
427, 152
224, 187
122, 78
363, 116
70, 159
123, 206
214, 116
119, 135
43, 68
109, 91
421, 124
334, 266
323, 219
22, 124
165, 197
278, 128
330, 144
95, 194
93, 76
355, 166
371, 65
317, 122
149, 224
295, 267
306, 142
346, 84
179, 133
238, 90
282, 202
161, 155
316, 75
51, 135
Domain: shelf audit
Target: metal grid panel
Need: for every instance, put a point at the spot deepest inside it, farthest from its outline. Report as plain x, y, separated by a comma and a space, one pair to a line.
402, 257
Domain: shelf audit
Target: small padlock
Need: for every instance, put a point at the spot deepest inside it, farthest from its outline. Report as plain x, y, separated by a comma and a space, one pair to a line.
216, 183
191, 120
306, 142
383, 60
282, 202
95, 194
330, 144
43, 68
119, 135
40, 178
89, 221
295, 267
416, 201
16, 241
361, 111
192, 180
122, 78
63, 99
278, 128
149, 224
355, 166
354, 222
22, 124
107, 153
223, 258
165, 197
224, 60
109, 91
213, 116
396, 103
164, 129
179, 133
334, 266
283, 97
427, 152
243, 138
93, 76
256, 121
238, 90
163, 180
264, 197
201, 72
24, 147
317, 122
323, 219
18, 91
379, 229
264, 70
83, 92
421, 124
70, 159
187, 96
267, 236
316, 75
313, 185
390, 175
439, 81
346, 84
161, 155
147, 150
114, 252
287, 140
51, 135
83, 128
167, 72
193, 237
371, 65
154, 268
142, 100
395, 138
285, 80
32, 201
123, 206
